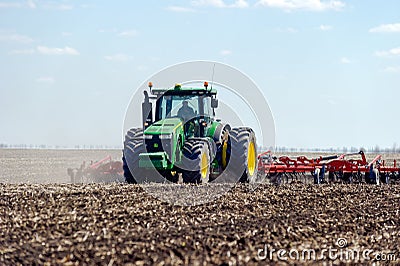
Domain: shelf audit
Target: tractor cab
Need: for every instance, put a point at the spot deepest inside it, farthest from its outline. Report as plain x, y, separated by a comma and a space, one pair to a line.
194, 107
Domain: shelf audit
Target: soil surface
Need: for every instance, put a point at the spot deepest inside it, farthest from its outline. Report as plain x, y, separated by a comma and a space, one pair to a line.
44, 220
46, 166
122, 224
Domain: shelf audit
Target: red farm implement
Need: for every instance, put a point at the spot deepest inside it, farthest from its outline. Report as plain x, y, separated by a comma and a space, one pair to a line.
335, 168
104, 170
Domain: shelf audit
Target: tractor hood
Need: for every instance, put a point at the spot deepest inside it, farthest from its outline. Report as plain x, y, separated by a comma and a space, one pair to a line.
165, 126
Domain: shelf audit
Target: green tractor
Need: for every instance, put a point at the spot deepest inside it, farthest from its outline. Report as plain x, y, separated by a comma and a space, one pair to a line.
184, 138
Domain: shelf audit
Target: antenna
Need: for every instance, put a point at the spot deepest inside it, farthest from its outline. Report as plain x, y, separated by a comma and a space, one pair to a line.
212, 78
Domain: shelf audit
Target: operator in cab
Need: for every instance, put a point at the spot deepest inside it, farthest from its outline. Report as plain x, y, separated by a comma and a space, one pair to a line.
186, 112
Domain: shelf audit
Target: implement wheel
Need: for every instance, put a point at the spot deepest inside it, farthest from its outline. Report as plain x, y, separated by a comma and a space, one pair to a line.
385, 178
375, 177
317, 178
372, 177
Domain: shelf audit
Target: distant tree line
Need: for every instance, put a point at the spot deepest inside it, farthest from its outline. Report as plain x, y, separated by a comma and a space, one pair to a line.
375, 149
42, 146
280, 149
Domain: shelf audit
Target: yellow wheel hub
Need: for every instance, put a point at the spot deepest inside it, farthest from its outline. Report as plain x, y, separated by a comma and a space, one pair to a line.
204, 165
224, 154
251, 158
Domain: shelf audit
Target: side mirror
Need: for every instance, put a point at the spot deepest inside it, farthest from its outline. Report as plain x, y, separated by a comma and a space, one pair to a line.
214, 103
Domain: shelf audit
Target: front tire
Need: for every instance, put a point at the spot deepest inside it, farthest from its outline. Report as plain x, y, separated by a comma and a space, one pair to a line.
196, 162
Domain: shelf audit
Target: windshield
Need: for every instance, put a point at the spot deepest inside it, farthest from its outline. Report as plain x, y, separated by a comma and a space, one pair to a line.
184, 106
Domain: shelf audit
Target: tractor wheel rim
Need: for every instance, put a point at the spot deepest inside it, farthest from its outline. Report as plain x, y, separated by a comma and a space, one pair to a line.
251, 158
204, 166
224, 154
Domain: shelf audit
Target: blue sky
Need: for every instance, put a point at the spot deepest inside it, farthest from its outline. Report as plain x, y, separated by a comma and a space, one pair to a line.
330, 69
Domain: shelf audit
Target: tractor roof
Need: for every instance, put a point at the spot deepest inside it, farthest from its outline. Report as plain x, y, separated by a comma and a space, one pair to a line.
179, 90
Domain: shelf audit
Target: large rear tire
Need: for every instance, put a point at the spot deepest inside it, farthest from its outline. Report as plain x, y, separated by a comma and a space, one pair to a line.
196, 162
133, 146
243, 156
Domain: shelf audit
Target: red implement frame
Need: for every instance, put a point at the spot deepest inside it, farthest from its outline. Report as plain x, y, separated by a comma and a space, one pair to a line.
338, 167
104, 170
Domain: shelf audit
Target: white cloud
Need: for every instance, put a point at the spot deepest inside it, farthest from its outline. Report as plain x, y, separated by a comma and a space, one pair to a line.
117, 57
392, 69
311, 5
325, 27
55, 6
31, 4
226, 52
180, 9
21, 52
391, 52
10, 5
47, 80
57, 51
123, 33
386, 28
27, 4
240, 4
214, 3
345, 60
46, 51
128, 33
221, 3
14, 37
